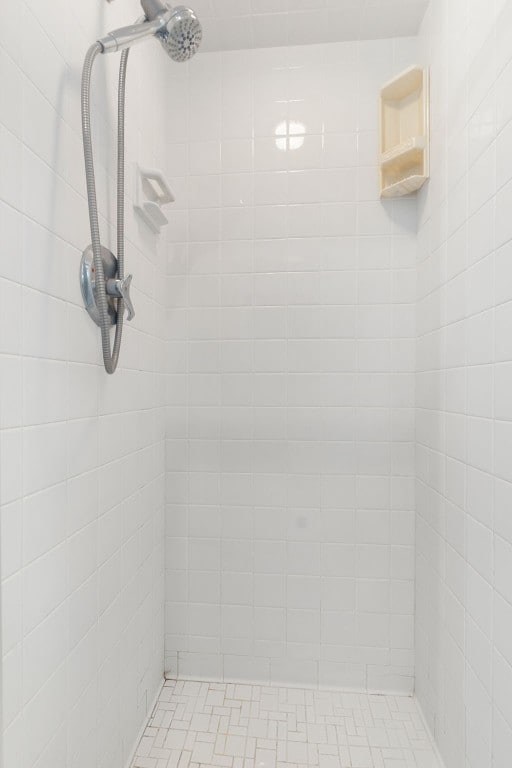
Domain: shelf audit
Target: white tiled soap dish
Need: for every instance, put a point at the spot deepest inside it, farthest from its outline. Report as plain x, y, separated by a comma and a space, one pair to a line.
152, 192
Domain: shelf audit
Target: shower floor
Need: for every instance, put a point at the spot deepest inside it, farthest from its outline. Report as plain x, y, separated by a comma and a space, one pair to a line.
199, 725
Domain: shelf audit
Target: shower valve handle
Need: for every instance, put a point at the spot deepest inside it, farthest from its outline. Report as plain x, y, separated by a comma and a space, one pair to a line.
121, 289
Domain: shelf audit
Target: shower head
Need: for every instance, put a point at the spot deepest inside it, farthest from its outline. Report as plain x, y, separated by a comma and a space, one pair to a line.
182, 35
178, 29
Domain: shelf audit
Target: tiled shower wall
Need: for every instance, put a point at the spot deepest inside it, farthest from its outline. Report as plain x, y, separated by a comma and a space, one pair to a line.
464, 389
82, 483
290, 455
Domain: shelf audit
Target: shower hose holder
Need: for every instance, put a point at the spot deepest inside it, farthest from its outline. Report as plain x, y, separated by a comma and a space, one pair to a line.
116, 288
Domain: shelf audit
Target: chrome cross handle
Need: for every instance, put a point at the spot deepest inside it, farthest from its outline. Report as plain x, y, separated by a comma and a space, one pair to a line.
121, 289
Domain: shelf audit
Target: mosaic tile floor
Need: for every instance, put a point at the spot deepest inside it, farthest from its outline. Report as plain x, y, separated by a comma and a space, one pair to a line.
200, 725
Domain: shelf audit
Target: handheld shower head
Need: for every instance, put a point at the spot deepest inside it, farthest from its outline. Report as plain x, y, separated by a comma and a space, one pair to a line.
182, 34
178, 29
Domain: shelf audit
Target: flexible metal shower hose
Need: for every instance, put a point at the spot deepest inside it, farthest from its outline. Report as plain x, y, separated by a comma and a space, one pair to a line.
110, 357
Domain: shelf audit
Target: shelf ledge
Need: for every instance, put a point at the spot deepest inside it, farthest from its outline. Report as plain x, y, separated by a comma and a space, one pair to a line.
401, 151
404, 186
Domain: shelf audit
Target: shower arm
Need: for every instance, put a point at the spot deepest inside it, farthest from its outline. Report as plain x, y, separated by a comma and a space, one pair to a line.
125, 37
156, 16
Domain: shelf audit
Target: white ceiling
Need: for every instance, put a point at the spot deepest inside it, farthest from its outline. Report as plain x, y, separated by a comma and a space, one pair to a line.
235, 24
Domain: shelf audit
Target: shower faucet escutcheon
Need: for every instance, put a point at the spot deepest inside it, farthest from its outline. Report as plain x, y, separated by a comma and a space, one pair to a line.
105, 289
114, 286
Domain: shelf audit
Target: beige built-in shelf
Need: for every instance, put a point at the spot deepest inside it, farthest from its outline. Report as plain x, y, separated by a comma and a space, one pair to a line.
404, 150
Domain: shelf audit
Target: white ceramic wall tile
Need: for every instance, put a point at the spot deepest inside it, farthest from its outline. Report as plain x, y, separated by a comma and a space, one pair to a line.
463, 461
290, 450
286, 366
235, 25
82, 496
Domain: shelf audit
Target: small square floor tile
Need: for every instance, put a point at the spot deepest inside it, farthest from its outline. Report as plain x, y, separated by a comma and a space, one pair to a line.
224, 725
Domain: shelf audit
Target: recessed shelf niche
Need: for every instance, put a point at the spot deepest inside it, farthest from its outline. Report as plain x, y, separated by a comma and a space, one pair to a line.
404, 150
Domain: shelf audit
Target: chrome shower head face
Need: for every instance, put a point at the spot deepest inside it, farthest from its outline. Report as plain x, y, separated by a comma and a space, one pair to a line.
182, 34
